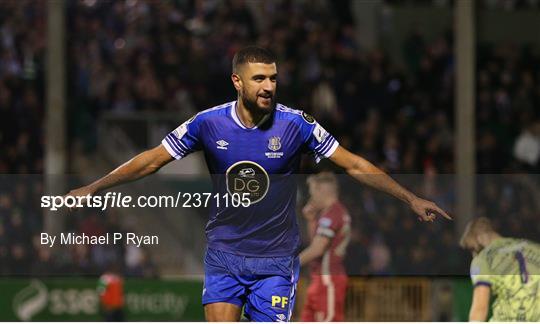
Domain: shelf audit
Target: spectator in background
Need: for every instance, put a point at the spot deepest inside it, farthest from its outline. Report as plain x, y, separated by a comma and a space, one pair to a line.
527, 145
139, 263
111, 294
379, 257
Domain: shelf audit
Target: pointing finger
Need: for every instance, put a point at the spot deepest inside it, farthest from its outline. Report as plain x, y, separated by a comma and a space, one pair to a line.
443, 213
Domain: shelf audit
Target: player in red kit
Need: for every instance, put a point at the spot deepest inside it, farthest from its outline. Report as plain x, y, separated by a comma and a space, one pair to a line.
329, 230
111, 294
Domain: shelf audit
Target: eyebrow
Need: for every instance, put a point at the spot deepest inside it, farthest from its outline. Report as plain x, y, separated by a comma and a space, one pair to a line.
256, 76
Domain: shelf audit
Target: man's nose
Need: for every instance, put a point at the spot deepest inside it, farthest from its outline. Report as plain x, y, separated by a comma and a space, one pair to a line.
268, 85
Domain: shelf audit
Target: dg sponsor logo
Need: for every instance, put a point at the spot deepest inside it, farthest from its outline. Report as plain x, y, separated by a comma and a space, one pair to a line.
247, 177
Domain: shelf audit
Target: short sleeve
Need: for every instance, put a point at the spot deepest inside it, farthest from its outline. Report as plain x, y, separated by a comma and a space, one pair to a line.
318, 141
480, 272
184, 139
328, 226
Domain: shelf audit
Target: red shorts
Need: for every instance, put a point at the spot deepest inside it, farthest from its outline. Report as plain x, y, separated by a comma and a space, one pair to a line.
325, 299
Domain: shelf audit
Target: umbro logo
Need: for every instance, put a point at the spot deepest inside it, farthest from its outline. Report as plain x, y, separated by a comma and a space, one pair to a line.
222, 145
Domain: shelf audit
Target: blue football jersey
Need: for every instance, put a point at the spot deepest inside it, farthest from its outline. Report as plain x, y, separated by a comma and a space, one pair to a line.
258, 164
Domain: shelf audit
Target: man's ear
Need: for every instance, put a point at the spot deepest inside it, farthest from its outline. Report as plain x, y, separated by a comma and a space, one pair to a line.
237, 82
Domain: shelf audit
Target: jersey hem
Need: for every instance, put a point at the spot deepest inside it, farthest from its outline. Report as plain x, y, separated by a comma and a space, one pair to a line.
229, 300
221, 248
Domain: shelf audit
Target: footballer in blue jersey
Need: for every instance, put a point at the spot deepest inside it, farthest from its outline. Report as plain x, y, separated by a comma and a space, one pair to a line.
258, 161
253, 147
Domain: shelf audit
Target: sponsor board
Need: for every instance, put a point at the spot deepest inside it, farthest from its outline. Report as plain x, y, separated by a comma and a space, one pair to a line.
78, 300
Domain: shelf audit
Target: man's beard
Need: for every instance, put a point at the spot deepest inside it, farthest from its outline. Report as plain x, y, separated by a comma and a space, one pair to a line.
252, 105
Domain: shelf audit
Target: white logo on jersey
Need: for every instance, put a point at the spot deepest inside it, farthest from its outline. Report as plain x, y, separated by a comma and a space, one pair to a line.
247, 173
320, 133
181, 130
281, 317
222, 145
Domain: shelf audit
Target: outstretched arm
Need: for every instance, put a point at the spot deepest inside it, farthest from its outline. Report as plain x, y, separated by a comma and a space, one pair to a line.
365, 172
145, 163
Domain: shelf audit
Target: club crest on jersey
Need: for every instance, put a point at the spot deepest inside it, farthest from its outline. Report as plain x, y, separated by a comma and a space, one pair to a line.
274, 144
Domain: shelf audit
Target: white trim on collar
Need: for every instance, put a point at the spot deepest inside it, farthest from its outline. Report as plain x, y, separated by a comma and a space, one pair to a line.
239, 122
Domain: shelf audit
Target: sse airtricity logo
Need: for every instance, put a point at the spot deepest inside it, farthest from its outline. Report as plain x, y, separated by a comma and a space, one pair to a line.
31, 300
247, 177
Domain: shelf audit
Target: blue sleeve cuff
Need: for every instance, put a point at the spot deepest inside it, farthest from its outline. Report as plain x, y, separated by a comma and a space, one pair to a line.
482, 283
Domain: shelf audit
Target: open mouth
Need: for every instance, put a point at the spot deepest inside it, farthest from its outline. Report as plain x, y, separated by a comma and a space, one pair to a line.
266, 98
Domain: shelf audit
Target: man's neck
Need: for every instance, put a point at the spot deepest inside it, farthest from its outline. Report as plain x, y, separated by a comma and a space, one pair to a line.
490, 238
247, 117
494, 236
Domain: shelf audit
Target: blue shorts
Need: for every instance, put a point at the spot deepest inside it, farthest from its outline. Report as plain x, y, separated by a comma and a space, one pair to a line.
265, 286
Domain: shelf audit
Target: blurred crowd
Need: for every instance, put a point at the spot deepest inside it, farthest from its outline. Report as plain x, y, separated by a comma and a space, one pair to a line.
22, 49
387, 239
175, 56
22, 27
22, 140
508, 5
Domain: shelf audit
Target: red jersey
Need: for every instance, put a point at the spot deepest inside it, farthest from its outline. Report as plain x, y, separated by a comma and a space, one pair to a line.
111, 291
334, 223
